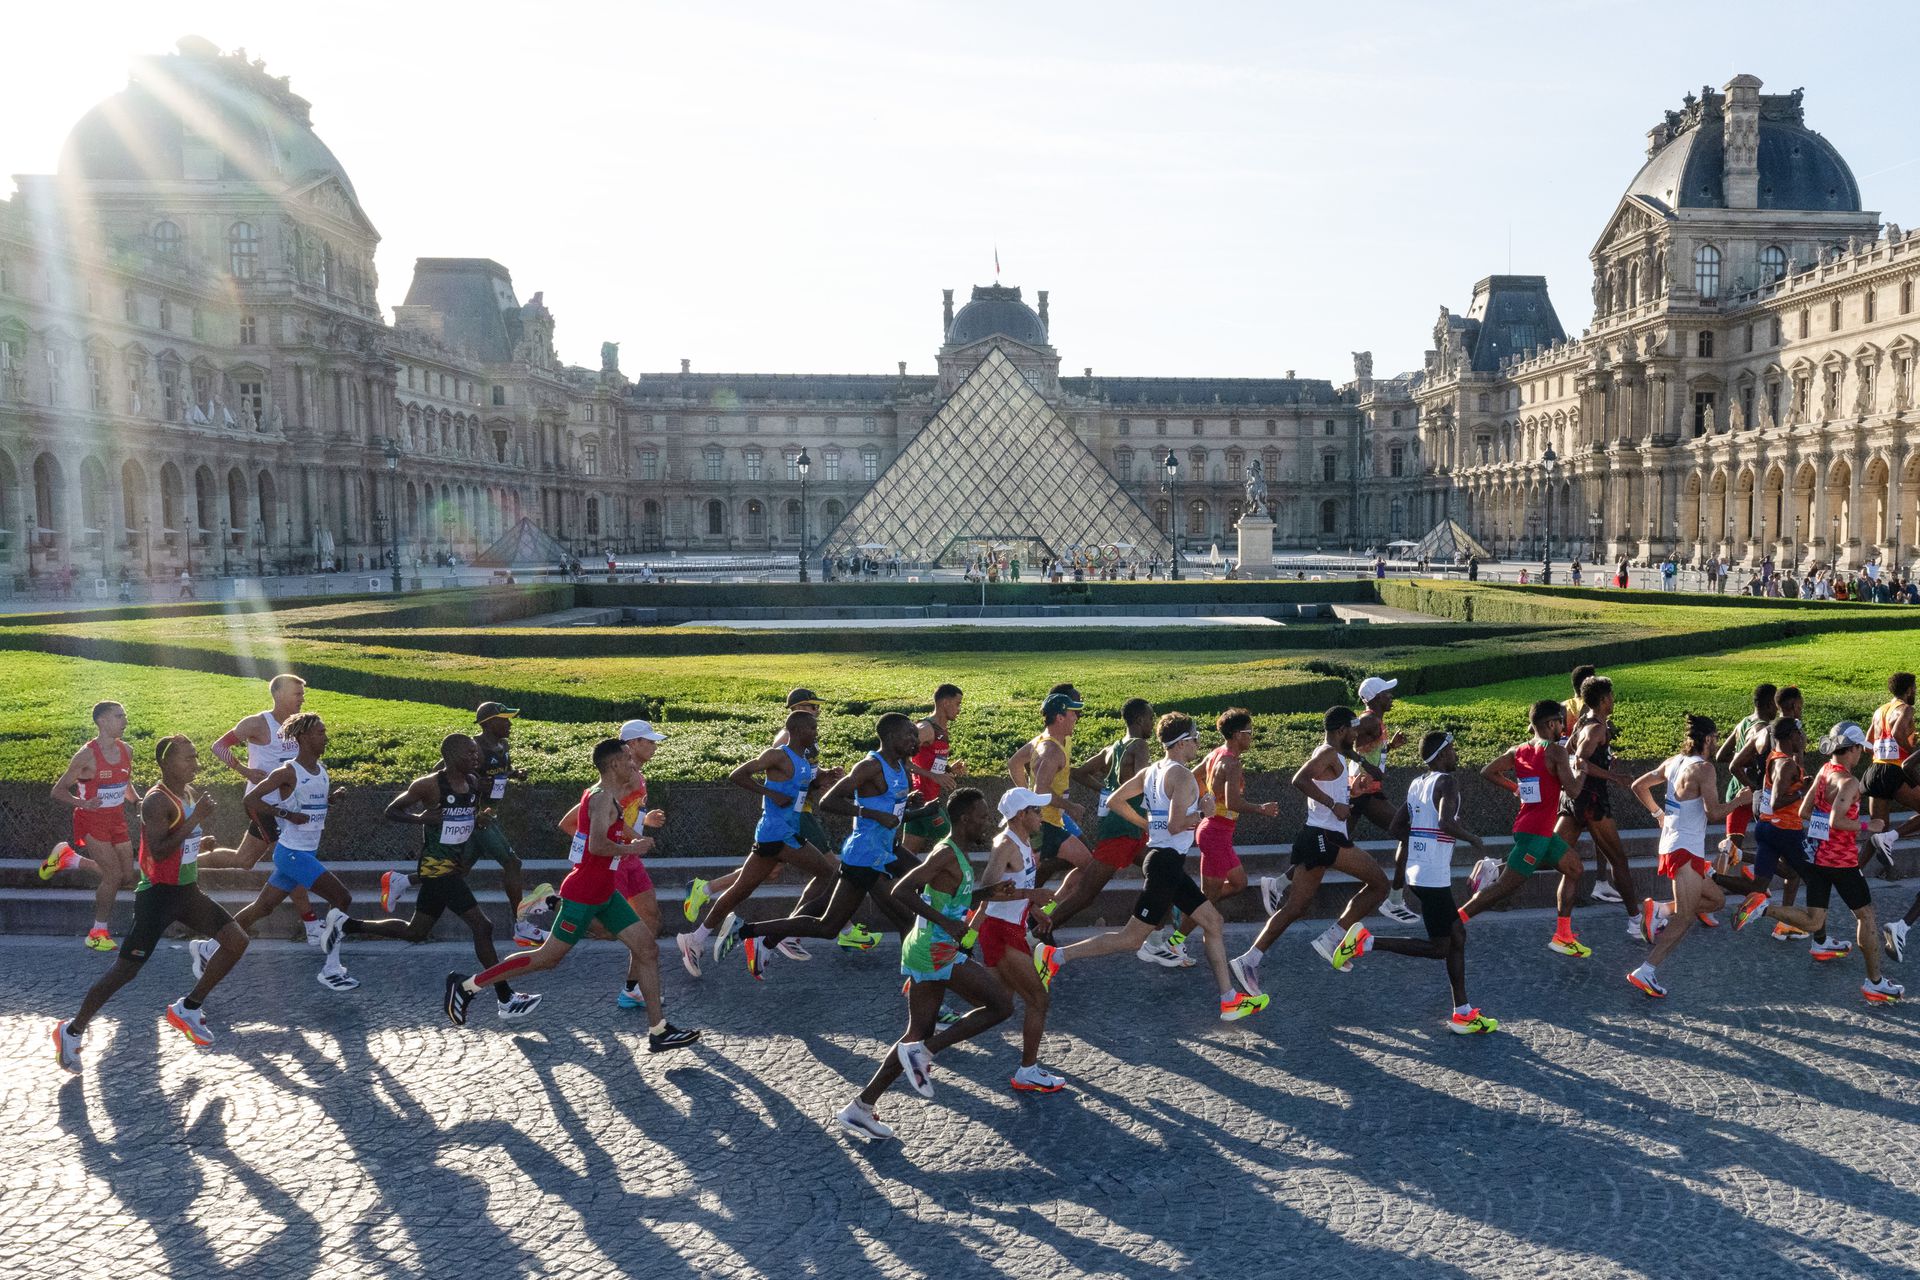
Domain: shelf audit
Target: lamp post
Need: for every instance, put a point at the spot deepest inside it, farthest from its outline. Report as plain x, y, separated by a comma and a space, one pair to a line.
805, 465
288, 569
259, 548
146, 536
447, 520
1549, 467
224, 569
1593, 537
1899, 547
1796, 538
392, 454
379, 528
1833, 547
1173, 514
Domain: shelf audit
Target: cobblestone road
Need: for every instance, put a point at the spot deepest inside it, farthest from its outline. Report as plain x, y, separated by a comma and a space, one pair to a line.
1762, 1121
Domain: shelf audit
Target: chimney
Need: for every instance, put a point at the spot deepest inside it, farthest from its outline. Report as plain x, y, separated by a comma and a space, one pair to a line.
1289, 374
1089, 371
1043, 312
686, 365
903, 368
946, 322
1741, 124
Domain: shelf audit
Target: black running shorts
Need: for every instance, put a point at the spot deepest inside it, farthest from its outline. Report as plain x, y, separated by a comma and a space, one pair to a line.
1168, 888
159, 905
1823, 882
1317, 847
1438, 911
440, 894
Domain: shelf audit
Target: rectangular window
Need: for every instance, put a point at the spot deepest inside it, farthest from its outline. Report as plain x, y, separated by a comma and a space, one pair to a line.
793, 466
1779, 332
170, 394
443, 392
590, 458
1703, 406
1746, 406
1328, 466
753, 466
97, 384
870, 467
1906, 297
253, 405
1773, 402
499, 395
1749, 339
130, 307
832, 464
1833, 316
202, 390
56, 375
1396, 461
1867, 307
1806, 322
247, 337
713, 464
649, 465
166, 314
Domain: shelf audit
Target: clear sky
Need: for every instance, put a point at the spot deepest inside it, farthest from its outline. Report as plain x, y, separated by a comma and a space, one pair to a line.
1213, 189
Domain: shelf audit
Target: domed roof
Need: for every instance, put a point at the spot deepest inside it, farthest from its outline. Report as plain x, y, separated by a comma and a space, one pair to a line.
996, 311
1799, 169
199, 114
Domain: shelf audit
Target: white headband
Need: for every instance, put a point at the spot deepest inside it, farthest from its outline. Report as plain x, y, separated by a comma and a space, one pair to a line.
1445, 742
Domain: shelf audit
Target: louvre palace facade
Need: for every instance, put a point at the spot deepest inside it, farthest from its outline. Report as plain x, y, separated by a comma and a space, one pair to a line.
196, 372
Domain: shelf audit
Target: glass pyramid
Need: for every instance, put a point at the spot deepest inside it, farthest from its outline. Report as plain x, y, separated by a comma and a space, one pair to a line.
997, 467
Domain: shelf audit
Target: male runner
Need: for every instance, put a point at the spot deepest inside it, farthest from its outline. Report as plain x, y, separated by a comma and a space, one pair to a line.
1011, 881
1831, 810
932, 766
1539, 771
1366, 788
294, 797
1174, 804
1778, 834
1689, 806
1117, 843
1427, 826
1764, 712
610, 832
97, 785
1604, 889
1590, 809
1321, 845
496, 771
1044, 765
941, 892
447, 805
1894, 774
1222, 776
267, 750
877, 793
788, 772
173, 818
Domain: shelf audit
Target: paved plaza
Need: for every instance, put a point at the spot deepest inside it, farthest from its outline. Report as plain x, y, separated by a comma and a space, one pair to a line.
1763, 1121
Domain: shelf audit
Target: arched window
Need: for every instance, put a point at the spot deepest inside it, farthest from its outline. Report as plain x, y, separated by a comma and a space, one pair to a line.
166, 239
1706, 271
243, 250
1773, 262
1329, 517
716, 519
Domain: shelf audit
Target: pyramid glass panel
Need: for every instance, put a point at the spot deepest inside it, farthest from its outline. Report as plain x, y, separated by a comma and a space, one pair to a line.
997, 467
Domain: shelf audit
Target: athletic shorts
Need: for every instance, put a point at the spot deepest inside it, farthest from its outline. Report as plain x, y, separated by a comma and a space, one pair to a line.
811, 832
998, 937
263, 827
771, 848
861, 878
942, 974
1883, 780
1738, 819
1438, 911
1773, 847
159, 905
631, 879
1215, 838
1317, 847
1120, 852
1674, 861
107, 826
930, 827
294, 869
1169, 888
1066, 820
1051, 840
1531, 853
574, 921
1822, 881
491, 842
442, 894
1592, 804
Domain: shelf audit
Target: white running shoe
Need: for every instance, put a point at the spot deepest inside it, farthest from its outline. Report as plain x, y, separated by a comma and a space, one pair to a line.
67, 1045
201, 949
1893, 938
859, 1117
517, 1006
791, 949
1161, 954
1634, 929
1484, 873
1395, 908
689, 952
528, 935
1324, 946
314, 928
1603, 891
1247, 974
1884, 991
332, 930
917, 1063
191, 1023
1037, 1079
1273, 891
336, 980
1884, 842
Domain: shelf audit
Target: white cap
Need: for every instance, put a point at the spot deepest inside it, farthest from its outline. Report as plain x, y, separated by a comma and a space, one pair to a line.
640, 729
1373, 686
1843, 735
1018, 798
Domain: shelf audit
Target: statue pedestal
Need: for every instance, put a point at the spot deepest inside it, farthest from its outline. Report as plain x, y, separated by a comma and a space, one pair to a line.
1256, 546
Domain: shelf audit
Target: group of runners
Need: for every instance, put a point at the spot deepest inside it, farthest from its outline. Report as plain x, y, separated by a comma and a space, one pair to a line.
964, 878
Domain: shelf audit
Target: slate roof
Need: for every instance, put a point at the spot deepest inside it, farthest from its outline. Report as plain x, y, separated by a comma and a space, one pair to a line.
1799, 169
996, 310
1509, 315
474, 297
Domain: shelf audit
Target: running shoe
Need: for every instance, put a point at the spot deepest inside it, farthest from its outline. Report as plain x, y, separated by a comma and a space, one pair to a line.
336, 979
536, 902
1707, 919
1893, 937
1883, 842
1648, 985
1731, 851
333, 930
1324, 947
1831, 949
190, 1023
859, 1117
697, 897
948, 1017
630, 998
1882, 992
1472, 1023
516, 1006
1241, 1005
792, 950
1158, 953
1570, 946
1484, 873
671, 1038
1273, 891
756, 951
1351, 946
313, 928
101, 940
528, 935
1036, 1079
1246, 973
917, 1063
729, 936
689, 953
1784, 932
386, 889
201, 950
856, 937
63, 858
67, 1046
1179, 950
1045, 964
1603, 891
1649, 920
1395, 908
1750, 906
457, 1000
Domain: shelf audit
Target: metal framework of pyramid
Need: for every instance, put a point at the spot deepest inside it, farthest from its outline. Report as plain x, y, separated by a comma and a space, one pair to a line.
1447, 542
526, 545
997, 466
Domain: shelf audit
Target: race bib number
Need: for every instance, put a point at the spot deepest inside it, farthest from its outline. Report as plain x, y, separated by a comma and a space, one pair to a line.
578, 850
116, 794
190, 847
499, 787
456, 830
1820, 827
1100, 810
899, 808
939, 765
1157, 824
1763, 803
1422, 847
1529, 790
1886, 749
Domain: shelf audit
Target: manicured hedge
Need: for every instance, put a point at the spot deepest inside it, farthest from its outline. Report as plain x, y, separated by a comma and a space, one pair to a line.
791, 595
481, 607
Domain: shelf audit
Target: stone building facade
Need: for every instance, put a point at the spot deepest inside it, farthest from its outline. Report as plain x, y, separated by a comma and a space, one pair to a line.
1746, 388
